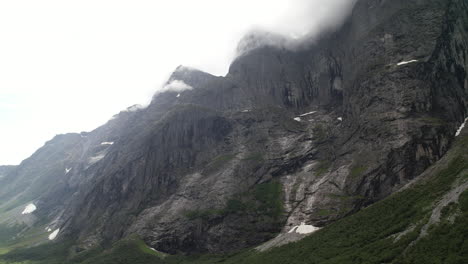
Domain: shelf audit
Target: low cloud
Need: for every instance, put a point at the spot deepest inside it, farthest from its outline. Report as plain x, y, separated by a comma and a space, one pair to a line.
176, 86
306, 22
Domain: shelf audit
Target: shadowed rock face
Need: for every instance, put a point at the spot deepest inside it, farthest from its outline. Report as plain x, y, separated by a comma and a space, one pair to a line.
224, 166
4, 170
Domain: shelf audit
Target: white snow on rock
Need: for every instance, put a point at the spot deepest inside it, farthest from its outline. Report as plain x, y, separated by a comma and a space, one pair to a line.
304, 229
406, 62
245, 111
67, 170
298, 119
461, 128
306, 114
54, 234
96, 158
29, 209
293, 229
48, 229
340, 118
107, 143
178, 95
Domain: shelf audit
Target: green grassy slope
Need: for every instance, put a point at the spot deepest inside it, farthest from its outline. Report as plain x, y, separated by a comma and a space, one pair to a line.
369, 236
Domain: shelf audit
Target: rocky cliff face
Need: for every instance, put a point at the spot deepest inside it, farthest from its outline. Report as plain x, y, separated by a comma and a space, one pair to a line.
4, 170
309, 134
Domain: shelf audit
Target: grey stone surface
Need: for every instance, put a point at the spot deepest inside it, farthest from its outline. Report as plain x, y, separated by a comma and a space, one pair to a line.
228, 134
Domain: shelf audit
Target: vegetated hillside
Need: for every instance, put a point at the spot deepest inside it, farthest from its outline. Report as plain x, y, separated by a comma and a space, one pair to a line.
423, 223
312, 134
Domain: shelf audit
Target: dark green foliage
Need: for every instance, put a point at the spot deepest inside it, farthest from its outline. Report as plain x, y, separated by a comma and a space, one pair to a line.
264, 199
255, 157
448, 210
219, 162
51, 253
433, 120
463, 201
8, 232
325, 212
268, 196
369, 236
357, 171
235, 205
320, 132
128, 251
446, 243
365, 237
203, 214
322, 168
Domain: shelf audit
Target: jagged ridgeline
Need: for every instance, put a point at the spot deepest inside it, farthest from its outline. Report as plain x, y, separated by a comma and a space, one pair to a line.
351, 146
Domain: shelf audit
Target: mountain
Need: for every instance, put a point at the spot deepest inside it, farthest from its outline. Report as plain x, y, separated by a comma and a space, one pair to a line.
5, 170
330, 133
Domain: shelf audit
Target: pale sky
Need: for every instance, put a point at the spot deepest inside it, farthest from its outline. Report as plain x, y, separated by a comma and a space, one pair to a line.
69, 66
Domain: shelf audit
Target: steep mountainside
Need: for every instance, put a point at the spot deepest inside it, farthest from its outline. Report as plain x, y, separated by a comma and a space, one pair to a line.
4, 170
423, 223
311, 133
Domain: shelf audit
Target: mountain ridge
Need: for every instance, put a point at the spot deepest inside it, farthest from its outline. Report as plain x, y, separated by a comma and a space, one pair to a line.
336, 126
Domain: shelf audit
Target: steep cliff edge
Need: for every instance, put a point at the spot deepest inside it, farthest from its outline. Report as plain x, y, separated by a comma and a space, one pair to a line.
310, 134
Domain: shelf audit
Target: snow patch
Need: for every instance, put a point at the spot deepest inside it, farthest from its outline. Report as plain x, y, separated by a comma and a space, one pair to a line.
178, 95
304, 229
293, 229
54, 234
29, 209
340, 119
96, 158
461, 127
67, 170
306, 114
176, 86
298, 119
49, 229
406, 62
245, 111
107, 143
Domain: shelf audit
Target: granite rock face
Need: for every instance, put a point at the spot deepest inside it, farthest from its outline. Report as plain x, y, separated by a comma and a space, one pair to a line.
309, 134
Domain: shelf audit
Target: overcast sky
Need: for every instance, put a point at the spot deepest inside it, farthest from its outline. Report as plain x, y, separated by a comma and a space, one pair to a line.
68, 66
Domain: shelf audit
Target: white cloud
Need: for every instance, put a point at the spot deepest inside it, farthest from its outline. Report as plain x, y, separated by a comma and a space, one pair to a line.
134, 108
68, 66
176, 86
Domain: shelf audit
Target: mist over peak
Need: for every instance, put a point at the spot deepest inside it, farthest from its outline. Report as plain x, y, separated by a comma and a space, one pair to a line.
299, 28
130, 59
